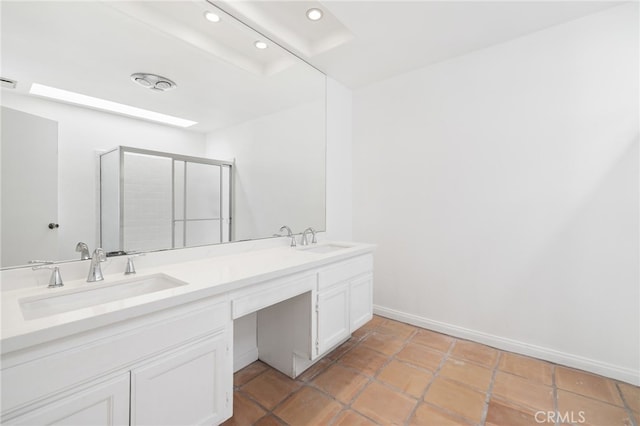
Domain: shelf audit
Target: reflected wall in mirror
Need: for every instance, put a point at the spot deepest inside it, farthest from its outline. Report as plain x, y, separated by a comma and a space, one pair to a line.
261, 110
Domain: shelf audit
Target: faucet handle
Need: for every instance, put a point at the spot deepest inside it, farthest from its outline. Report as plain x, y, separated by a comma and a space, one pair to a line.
289, 234
131, 268
56, 279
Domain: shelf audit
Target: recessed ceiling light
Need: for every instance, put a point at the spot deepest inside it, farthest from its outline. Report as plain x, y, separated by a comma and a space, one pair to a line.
211, 17
260, 44
314, 14
103, 104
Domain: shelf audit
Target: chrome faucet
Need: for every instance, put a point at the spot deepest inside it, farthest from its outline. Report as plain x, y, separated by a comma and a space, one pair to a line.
95, 272
289, 234
131, 268
83, 249
56, 279
304, 241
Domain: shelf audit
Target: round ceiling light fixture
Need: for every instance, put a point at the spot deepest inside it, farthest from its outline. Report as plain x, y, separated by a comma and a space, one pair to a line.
153, 81
314, 14
260, 45
211, 17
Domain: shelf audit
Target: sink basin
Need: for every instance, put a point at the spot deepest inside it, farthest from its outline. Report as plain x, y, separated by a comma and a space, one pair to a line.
94, 294
325, 248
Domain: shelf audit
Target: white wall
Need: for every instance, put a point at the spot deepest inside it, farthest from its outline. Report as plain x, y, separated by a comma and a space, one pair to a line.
339, 162
279, 175
502, 189
338, 197
82, 133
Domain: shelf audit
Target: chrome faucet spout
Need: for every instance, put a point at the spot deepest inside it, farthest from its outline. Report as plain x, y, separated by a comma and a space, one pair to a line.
305, 241
95, 271
83, 249
289, 234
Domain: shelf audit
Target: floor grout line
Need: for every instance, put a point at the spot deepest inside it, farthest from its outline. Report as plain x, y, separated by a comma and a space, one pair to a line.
487, 401
347, 406
626, 405
373, 377
436, 373
252, 399
555, 393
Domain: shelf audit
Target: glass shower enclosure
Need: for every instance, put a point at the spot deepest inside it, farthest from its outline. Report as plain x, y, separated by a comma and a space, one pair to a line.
152, 200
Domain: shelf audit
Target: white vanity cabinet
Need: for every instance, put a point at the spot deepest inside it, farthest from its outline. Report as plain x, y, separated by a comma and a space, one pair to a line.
344, 300
169, 360
330, 303
360, 301
333, 317
169, 367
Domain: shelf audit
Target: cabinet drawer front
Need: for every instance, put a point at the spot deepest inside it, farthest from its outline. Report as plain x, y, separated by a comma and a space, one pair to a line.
270, 293
105, 351
343, 271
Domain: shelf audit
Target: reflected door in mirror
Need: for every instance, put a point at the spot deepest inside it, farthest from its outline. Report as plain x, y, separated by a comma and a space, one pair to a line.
29, 188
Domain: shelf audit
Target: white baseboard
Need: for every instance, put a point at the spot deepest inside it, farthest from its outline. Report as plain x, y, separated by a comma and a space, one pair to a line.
240, 361
570, 360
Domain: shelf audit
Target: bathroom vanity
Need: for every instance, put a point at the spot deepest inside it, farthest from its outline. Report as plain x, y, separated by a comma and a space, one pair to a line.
157, 349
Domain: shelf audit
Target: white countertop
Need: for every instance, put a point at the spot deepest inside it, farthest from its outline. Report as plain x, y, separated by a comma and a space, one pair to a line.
204, 277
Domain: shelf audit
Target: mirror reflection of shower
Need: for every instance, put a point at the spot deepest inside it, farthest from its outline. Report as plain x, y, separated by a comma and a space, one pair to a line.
154, 200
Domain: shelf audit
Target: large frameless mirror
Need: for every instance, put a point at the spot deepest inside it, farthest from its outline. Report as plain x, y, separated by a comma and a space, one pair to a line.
151, 125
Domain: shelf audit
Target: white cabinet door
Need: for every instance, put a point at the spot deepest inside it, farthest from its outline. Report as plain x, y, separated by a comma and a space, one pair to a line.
361, 300
333, 316
105, 403
191, 386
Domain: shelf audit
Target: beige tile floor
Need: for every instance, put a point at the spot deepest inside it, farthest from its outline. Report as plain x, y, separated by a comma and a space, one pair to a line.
391, 373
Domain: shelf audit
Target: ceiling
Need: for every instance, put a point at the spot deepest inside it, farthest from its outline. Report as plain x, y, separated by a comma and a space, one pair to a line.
380, 39
93, 47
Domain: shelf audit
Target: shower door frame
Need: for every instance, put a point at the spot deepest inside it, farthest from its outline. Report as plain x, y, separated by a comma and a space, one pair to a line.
186, 158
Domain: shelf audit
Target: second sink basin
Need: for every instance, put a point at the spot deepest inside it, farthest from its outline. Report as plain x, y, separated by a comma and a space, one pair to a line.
94, 294
325, 248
